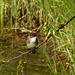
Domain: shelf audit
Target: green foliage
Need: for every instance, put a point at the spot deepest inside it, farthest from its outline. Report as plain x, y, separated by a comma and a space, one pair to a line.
1, 16
21, 65
46, 16
48, 61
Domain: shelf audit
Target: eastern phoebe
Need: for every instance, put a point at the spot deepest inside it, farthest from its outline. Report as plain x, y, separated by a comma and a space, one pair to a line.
32, 41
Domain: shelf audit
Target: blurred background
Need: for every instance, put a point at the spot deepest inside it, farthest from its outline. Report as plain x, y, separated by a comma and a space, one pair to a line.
20, 17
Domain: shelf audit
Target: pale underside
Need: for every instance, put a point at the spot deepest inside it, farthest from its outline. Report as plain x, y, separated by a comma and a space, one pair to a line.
32, 43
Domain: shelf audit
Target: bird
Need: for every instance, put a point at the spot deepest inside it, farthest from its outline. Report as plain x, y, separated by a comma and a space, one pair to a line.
32, 41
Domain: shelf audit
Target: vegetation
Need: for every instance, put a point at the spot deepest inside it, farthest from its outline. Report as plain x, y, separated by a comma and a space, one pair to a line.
18, 17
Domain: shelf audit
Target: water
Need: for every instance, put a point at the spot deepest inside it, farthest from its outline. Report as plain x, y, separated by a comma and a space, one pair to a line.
9, 46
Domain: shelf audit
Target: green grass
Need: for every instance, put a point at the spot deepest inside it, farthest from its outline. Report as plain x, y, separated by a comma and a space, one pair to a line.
50, 15
1, 16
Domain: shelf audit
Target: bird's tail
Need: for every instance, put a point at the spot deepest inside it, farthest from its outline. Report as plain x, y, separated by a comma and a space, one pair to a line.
33, 51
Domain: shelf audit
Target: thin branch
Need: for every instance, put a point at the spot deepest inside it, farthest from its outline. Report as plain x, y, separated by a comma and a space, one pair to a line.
16, 57
38, 44
65, 24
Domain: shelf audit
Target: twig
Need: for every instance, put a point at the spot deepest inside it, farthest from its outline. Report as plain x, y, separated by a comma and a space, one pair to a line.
15, 57
38, 44
65, 24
